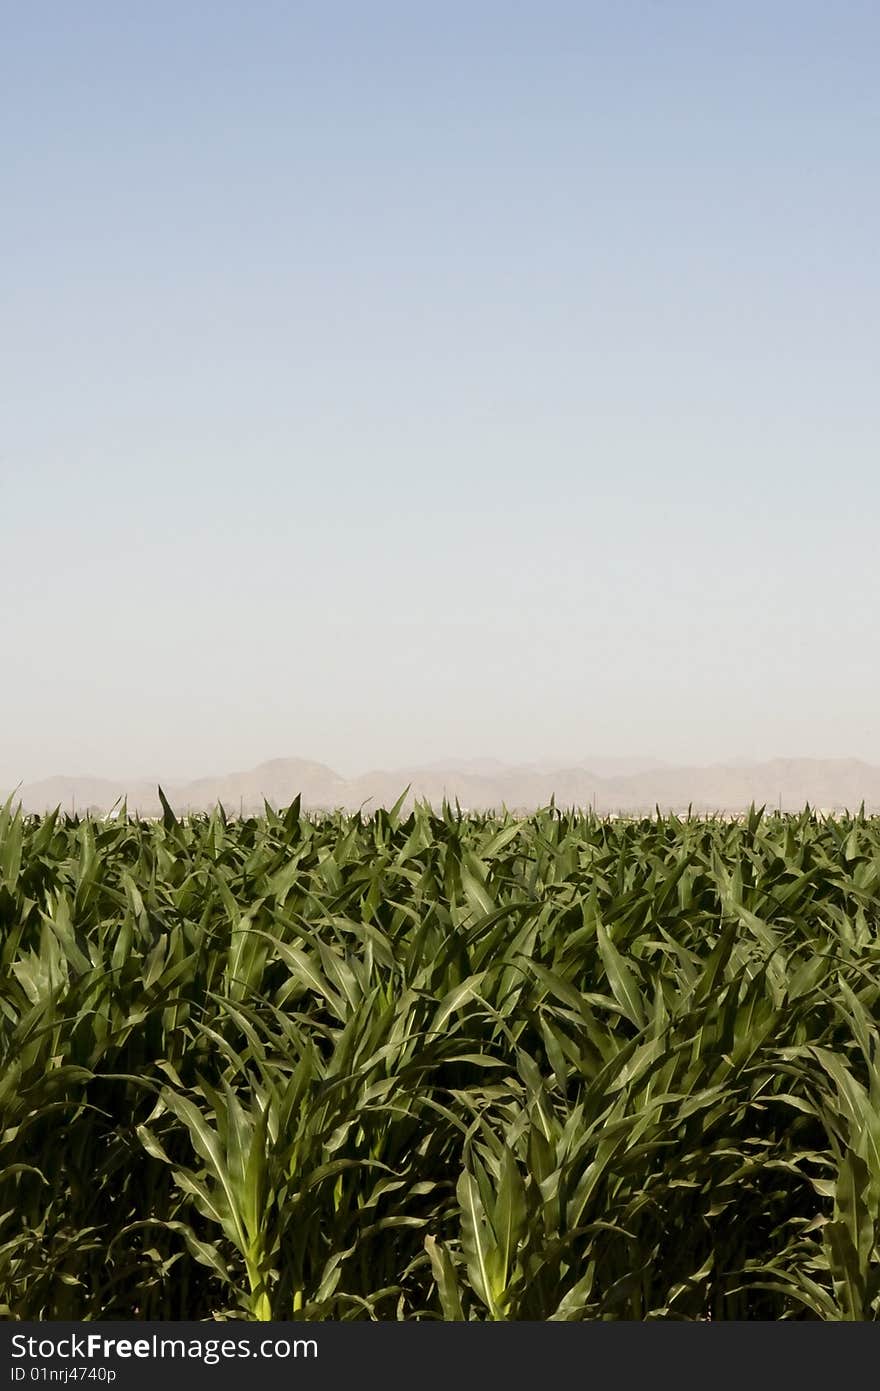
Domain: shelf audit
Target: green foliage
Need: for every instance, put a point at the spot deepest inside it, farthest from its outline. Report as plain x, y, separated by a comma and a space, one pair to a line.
430, 1066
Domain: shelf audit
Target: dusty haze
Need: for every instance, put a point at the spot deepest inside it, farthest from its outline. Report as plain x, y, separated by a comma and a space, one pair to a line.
384, 382
608, 785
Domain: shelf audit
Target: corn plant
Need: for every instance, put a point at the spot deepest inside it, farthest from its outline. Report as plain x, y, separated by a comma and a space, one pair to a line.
427, 1065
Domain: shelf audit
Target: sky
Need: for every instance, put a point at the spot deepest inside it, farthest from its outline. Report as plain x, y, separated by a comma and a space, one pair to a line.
393, 382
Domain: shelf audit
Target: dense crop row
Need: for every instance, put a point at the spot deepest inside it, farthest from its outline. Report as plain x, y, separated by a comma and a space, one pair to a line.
434, 1066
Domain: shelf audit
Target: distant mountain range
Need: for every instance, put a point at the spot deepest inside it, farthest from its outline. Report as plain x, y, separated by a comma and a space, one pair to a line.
609, 785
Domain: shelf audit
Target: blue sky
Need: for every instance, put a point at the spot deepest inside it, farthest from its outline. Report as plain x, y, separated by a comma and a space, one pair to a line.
399, 381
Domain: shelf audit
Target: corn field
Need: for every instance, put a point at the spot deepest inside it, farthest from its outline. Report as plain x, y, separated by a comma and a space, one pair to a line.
439, 1066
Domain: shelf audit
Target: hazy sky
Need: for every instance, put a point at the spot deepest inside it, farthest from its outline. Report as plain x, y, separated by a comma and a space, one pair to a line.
393, 381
